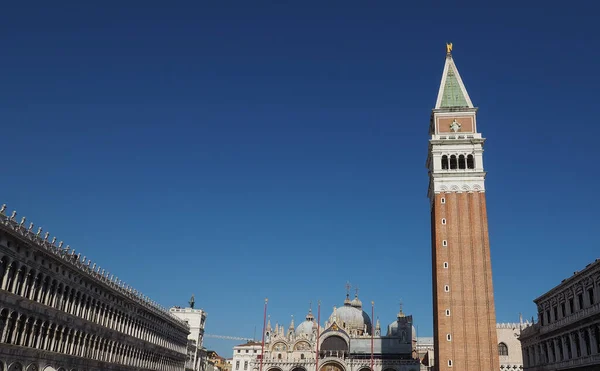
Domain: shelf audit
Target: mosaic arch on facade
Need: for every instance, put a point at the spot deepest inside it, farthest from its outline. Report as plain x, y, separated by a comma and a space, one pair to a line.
332, 366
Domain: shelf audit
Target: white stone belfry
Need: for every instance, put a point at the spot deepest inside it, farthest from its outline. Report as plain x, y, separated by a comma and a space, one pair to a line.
455, 160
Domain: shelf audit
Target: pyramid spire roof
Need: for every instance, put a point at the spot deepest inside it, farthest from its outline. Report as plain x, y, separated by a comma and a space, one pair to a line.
452, 93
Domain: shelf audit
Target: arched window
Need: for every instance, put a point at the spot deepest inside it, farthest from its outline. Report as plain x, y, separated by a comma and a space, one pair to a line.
444, 162
453, 164
301, 356
461, 162
279, 356
470, 162
502, 349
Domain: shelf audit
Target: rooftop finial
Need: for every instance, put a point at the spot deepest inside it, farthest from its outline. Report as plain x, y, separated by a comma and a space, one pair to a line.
348, 287
356, 290
401, 313
448, 48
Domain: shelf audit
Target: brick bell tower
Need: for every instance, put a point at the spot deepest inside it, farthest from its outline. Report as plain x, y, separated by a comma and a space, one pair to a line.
463, 295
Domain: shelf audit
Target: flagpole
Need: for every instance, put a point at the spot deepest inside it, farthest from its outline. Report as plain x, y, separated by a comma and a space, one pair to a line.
262, 351
372, 330
318, 333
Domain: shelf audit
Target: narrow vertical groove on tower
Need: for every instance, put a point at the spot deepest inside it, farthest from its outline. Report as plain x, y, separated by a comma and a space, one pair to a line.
465, 288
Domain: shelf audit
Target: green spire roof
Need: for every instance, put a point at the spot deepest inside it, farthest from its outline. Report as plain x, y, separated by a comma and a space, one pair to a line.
452, 90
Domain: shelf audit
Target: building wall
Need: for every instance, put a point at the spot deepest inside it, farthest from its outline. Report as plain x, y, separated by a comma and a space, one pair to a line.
196, 320
59, 311
245, 356
463, 283
511, 357
567, 334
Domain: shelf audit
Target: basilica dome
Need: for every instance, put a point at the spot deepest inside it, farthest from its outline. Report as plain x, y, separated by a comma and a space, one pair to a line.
351, 317
306, 327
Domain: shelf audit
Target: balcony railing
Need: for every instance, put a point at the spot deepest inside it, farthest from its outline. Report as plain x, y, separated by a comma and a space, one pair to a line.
579, 315
594, 359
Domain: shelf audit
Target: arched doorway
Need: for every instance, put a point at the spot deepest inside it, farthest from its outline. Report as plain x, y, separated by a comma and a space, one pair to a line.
15, 367
332, 366
49, 368
298, 368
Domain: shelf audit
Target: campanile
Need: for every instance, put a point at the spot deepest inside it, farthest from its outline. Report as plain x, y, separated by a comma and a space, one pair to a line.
463, 295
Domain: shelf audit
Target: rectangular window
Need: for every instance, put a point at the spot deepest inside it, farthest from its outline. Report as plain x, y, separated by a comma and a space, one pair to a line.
247, 350
237, 365
580, 298
444, 243
443, 200
571, 306
548, 316
447, 288
448, 337
245, 365
563, 309
443, 221
555, 310
254, 350
445, 264
591, 295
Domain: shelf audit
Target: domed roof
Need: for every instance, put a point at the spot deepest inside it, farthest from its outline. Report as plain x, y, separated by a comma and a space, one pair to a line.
356, 303
306, 327
352, 318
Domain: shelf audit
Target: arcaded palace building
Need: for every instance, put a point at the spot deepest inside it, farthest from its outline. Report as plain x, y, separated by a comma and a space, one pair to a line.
344, 343
567, 333
463, 295
58, 311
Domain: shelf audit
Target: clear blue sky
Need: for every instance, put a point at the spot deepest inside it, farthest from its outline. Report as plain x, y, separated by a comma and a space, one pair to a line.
251, 149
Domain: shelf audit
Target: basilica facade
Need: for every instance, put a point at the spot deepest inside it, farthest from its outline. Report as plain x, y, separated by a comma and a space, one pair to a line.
347, 342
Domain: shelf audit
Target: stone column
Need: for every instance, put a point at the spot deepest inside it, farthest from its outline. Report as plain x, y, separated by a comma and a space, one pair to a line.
573, 346
593, 340
24, 336
581, 334
15, 281
6, 276
25, 285
15, 332
33, 336
563, 344
34, 285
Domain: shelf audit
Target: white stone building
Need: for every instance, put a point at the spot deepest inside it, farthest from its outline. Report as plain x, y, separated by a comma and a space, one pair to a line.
245, 356
58, 311
567, 333
344, 343
509, 345
196, 319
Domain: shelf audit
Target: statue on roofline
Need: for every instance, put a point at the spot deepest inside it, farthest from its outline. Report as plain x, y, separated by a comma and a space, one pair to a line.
192, 301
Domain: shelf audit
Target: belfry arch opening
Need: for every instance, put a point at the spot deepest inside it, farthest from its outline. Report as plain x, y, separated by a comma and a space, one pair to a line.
453, 162
470, 162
